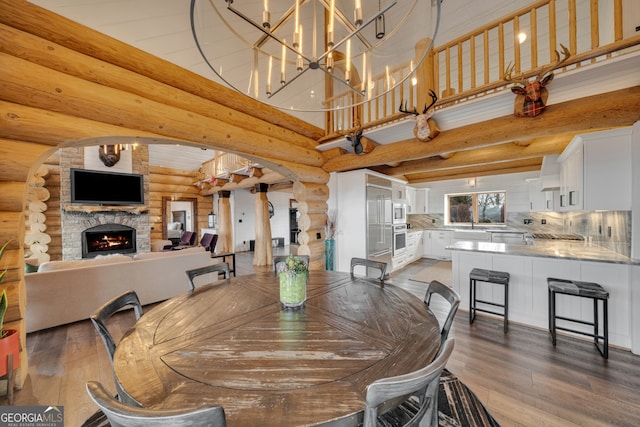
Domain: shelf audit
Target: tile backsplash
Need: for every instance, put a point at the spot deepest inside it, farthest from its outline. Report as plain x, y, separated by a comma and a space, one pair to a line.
609, 229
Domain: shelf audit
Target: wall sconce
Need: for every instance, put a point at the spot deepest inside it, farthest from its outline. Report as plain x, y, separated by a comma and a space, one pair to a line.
472, 182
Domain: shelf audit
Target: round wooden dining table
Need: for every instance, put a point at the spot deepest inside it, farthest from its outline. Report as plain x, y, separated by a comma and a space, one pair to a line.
233, 345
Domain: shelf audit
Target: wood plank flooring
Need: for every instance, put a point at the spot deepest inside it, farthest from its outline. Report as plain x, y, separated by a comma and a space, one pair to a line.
521, 378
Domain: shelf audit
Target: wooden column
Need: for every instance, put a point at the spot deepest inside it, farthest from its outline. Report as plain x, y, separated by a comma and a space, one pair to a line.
262, 254
225, 229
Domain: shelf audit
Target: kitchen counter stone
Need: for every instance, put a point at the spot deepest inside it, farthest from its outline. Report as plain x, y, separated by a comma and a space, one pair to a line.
548, 249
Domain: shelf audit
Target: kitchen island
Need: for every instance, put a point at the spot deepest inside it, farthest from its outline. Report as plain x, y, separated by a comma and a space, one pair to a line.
531, 265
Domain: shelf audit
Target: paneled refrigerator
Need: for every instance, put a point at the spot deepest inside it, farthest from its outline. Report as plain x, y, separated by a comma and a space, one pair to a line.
379, 223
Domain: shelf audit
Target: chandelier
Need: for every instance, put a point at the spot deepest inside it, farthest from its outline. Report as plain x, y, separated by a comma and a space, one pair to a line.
302, 54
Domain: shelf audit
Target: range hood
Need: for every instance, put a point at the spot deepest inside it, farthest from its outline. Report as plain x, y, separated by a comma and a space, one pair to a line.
550, 173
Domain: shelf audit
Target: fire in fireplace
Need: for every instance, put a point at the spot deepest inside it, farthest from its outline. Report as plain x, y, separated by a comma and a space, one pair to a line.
108, 239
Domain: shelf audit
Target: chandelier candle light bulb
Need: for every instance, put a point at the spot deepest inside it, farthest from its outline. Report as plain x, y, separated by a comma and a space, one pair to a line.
283, 78
266, 16
269, 75
332, 16
357, 14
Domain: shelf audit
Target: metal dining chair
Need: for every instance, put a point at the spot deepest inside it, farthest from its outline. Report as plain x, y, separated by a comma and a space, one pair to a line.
99, 319
220, 268
369, 264
282, 258
420, 389
122, 415
452, 297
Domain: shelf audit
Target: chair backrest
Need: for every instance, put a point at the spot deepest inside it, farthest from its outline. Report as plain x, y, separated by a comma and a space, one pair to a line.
452, 297
423, 383
122, 415
208, 241
282, 258
367, 264
100, 316
188, 238
221, 267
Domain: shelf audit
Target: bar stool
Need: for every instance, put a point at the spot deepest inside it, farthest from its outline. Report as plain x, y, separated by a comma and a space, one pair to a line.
488, 276
585, 290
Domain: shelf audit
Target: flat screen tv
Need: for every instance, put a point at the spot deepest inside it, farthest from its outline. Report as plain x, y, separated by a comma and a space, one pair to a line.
106, 188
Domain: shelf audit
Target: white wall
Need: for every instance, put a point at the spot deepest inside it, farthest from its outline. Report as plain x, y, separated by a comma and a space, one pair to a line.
515, 185
244, 208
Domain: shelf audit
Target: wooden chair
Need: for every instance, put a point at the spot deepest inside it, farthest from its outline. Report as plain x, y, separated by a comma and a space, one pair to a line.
452, 297
418, 389
99, 319
120, 414
367, 264
220, 268
282, 258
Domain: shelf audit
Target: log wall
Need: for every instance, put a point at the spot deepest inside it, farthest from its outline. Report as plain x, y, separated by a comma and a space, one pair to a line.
62, 84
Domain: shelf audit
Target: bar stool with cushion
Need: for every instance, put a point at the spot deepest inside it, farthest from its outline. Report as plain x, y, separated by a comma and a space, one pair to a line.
488, 276
585, 290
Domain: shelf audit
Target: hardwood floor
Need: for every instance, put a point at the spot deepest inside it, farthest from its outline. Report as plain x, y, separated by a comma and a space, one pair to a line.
521, 378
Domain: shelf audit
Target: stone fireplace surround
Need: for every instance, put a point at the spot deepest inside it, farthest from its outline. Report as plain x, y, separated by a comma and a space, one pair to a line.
74, 222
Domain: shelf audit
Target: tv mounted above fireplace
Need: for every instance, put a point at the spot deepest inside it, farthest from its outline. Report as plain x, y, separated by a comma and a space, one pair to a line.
106, 188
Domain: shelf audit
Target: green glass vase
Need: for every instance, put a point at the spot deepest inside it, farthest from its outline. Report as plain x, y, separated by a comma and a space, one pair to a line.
293, 288
329, 254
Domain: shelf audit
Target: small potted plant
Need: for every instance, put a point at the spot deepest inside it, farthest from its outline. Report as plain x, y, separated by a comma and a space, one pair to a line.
293, 275
9, 338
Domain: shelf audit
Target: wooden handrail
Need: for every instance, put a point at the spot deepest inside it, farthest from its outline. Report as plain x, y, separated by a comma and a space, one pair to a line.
455, 82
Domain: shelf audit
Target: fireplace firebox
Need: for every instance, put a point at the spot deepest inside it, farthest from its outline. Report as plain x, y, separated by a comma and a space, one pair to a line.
108, 239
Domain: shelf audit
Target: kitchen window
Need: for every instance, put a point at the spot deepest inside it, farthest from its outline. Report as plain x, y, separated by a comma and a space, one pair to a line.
478, 208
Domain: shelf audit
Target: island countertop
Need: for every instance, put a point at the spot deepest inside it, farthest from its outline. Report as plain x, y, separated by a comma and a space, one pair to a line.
549, 249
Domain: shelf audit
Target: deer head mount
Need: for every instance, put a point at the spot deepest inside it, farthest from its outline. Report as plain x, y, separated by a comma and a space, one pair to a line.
425, 129
532, 96
355, 140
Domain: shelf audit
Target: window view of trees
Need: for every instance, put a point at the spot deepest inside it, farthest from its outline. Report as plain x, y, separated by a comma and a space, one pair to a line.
485, 208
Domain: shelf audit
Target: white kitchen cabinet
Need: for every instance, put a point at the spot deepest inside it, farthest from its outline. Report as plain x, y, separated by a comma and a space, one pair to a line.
410, 193
595, 172
571, 176
417, 200
426, 244
540, 201
399, 193
440, 239
607, 170
414, 246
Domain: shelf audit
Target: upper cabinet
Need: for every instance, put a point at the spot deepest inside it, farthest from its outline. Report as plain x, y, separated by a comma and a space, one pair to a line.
399, 192
595, 172
417, 200
540, 201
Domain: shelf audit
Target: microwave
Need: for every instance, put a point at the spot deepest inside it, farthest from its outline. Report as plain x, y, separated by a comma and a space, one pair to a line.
399, 213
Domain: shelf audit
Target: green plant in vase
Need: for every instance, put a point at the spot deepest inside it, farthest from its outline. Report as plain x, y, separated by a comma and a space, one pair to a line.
293, 274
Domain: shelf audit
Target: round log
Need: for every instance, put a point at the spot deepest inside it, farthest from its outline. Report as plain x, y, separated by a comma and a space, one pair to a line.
303, 191
312, 206
26, 82
312, 221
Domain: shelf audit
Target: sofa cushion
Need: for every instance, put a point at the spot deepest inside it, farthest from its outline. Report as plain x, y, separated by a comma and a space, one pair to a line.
151, 255
76, 263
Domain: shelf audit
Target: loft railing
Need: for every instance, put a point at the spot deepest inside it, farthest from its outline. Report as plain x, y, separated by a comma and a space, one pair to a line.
474, 65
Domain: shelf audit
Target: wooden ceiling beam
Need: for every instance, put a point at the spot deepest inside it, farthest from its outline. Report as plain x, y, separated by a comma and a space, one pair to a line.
510, 151
602, 111
526, 165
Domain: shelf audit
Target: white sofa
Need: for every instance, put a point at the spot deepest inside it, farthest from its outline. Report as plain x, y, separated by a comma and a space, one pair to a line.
67, 291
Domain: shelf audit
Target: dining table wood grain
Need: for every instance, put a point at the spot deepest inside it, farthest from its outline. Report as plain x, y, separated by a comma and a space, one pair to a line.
232, 344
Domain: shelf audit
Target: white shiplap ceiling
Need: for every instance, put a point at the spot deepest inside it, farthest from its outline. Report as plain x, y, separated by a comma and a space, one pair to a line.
179, 156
